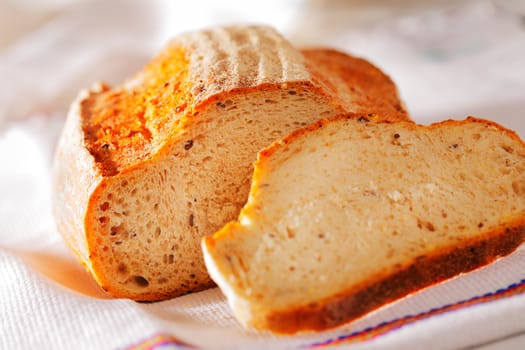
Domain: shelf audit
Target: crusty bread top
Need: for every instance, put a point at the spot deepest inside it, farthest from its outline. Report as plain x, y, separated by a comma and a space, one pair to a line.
361, 87
238, 57
347, 214
123, 126
126, 125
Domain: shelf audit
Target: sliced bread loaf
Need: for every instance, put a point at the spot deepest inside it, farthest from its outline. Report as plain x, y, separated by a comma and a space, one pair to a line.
145, 170
348, 214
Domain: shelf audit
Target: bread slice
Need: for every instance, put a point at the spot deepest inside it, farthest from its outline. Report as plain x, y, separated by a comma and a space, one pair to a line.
347, 215
145, 170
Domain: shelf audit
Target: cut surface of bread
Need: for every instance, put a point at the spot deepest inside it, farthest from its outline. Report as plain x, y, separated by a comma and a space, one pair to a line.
347, 215
143, 171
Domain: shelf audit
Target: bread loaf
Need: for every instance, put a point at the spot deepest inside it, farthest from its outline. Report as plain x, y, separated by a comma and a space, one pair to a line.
349, 214
143, 171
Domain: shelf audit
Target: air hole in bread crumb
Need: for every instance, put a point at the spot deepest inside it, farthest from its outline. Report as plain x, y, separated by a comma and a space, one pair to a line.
157, 232
426, 224
162, 280
190, 220
518, 187
124, 183
133, 191
122, 269
507, 149
188, 145
140, 281
156, 206
290, 232
103, 219
117, 230
104, 206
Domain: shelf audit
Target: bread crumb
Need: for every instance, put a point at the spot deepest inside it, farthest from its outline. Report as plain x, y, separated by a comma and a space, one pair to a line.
395, 196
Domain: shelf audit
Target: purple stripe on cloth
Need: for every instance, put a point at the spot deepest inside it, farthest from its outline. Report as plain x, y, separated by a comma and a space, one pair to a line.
168, 341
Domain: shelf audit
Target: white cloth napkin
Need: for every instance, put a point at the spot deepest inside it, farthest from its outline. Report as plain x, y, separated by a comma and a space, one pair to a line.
448, 59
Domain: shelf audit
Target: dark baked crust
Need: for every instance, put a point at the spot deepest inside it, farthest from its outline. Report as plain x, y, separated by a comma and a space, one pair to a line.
421, 273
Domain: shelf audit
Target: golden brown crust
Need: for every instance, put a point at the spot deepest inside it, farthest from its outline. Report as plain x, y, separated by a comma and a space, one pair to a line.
268, 151
123, 126
75, 175
426, 271
356, 82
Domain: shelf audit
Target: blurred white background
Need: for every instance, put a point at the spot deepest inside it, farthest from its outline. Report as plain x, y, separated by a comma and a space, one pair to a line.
449, 58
